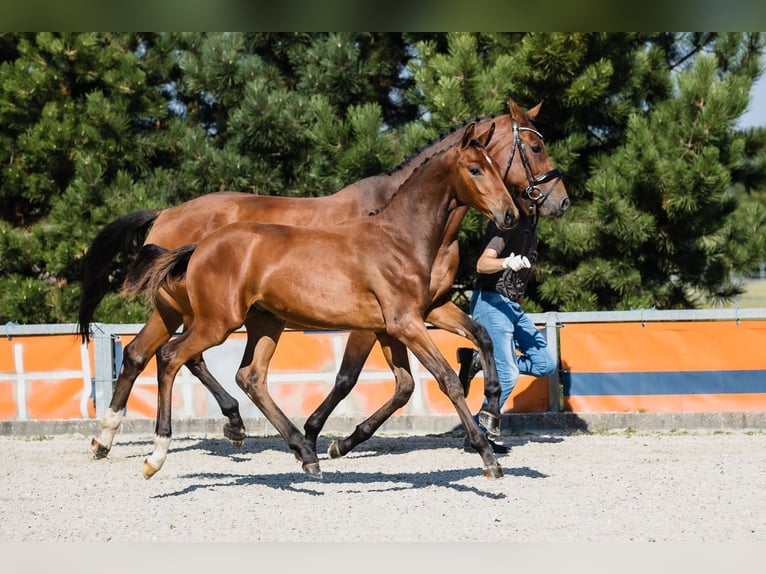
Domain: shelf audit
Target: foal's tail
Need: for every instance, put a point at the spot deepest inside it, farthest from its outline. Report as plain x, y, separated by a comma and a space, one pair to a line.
155, 267
116, 244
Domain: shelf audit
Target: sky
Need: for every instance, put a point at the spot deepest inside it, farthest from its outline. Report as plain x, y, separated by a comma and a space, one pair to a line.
756, 110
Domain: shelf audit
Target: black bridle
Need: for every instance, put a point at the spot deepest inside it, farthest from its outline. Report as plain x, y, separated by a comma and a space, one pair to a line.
533, 192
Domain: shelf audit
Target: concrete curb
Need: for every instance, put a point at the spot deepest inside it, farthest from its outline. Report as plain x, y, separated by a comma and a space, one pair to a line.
424, 425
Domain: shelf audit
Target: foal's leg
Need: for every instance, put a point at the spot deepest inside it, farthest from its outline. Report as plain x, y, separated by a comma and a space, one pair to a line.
358, 347
396, 356
412, 332
170, 358
251, 377
137, 354
451, 318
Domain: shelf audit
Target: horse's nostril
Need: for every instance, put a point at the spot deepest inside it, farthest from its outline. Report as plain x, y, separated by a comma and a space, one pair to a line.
510, 218
565, 204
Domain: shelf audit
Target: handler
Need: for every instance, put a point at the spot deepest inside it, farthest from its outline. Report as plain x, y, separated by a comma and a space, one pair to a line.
504, 268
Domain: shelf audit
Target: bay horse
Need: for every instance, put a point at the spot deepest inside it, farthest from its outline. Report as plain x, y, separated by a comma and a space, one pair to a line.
371, 273
516, 144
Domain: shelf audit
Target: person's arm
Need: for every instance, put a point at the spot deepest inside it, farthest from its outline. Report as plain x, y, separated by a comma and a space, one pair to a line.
490, 262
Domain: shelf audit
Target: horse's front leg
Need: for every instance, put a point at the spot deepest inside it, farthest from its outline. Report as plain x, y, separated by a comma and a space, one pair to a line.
396, 356
414, 334
358, 347
451, 318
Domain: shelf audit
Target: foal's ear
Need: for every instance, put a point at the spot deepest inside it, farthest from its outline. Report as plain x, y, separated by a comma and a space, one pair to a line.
468, 135
486, 137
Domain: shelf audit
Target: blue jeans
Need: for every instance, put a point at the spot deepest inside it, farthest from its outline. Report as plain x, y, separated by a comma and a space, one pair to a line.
510, 329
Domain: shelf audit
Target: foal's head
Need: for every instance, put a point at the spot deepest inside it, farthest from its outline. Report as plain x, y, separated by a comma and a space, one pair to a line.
481, 185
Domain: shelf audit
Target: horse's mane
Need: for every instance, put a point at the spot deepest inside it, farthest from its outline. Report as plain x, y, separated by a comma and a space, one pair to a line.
416, 170
437, 140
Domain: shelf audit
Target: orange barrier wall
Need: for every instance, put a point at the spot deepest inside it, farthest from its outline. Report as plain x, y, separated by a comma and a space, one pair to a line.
664, 366
45, 377
302, 373
629, 366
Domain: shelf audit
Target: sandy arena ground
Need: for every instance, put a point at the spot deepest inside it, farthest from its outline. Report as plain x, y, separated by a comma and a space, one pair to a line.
616, 487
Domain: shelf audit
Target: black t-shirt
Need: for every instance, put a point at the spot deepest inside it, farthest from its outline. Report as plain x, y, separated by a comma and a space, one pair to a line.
521, 240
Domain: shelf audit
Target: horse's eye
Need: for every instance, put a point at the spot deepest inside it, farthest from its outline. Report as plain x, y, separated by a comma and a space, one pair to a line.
537, 148
474, 170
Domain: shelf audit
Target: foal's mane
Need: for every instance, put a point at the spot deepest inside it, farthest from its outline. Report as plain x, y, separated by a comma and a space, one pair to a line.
406, 164
436, 141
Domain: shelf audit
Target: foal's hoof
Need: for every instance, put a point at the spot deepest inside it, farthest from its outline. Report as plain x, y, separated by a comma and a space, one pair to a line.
312, 469
333, 451
490, 422
99, 450
493, 471
235, 434
150, 470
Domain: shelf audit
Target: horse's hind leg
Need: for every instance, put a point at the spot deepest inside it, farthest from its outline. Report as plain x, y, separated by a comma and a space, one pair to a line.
234, 430
451, 318
358, 347
137, 354
396, 356
170, 357
251, 377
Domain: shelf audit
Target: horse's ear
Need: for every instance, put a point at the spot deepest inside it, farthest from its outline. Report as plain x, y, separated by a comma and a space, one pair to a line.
468, 134
516, 112
532, 113
486, 137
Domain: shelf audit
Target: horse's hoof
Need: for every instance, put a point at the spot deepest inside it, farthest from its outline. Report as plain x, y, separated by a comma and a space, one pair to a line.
235, 434
333, 451
490, 422
493, 471
149, 470
98, 449
312, 469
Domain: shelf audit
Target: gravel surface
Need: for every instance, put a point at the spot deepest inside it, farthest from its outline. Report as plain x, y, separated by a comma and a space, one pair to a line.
618, 487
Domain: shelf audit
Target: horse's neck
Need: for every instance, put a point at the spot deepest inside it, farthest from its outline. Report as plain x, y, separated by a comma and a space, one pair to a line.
452, 227
420, 208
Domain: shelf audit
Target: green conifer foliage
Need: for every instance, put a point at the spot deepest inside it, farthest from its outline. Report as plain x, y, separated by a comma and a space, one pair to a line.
667, 191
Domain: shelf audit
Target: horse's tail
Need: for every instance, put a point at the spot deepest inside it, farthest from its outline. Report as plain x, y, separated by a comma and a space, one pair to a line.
155, 267
118, 242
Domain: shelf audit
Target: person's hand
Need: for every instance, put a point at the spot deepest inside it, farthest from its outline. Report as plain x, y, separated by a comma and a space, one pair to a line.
516, 262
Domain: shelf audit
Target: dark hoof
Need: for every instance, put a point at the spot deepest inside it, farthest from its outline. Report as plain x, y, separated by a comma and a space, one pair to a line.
312, 469
333, 451
496, 447
493, 471
490, 422
98, 449
235, 434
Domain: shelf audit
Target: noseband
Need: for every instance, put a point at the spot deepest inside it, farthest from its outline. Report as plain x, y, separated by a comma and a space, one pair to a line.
533, 192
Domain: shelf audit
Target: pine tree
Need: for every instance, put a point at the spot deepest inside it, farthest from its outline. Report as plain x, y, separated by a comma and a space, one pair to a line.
73, 108
643, 126
657, 225
667, 193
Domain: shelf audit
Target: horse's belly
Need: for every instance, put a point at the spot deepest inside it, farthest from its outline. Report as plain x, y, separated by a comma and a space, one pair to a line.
323, 308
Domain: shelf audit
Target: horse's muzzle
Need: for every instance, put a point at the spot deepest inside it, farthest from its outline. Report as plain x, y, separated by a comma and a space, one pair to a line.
510, 219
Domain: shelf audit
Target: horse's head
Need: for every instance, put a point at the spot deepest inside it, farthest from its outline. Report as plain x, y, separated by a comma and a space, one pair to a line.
482, 185
529, 169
